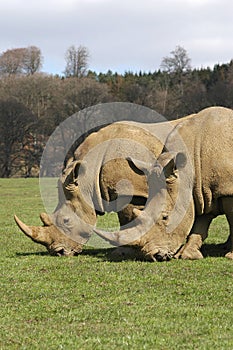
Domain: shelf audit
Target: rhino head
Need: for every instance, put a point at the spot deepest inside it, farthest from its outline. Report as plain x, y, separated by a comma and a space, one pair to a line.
56, 242
163, 226
70, 226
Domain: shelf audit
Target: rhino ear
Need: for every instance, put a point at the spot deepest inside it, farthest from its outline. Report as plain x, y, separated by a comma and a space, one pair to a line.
143, 167
171, 162
181, 160
79, 169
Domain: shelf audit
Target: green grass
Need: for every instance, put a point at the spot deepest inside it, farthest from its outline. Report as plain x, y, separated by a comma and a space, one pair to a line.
89, 302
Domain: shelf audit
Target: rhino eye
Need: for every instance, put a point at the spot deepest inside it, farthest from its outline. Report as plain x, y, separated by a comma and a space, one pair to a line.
66, 220
165, 217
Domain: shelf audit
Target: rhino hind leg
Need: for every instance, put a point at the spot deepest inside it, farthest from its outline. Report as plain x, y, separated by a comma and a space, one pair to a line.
229, 255
227, 204
227, 244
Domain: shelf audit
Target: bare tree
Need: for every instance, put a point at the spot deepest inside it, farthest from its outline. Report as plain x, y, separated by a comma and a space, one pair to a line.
32, 60
76, 61
179, 61
20, 61
175, 69
11, 61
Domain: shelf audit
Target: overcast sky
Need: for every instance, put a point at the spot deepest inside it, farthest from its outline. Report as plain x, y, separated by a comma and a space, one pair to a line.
121, 35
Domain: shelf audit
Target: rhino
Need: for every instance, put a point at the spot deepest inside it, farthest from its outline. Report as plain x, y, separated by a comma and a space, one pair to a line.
190, 183
99, 177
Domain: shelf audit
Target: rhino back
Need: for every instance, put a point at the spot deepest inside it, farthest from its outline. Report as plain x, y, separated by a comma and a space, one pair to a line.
209, 140
119, 131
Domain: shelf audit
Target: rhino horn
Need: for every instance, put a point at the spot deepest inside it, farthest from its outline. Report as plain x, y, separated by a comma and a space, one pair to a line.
56, 242
111, 237
131, 235
23, 227
33, 232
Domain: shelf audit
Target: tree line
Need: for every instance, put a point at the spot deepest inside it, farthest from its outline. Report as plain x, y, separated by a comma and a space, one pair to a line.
32, 103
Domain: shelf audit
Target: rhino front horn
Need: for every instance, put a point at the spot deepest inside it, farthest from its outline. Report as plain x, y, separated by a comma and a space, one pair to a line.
26, 229
33, 232
110, 237
129, 236
119, 237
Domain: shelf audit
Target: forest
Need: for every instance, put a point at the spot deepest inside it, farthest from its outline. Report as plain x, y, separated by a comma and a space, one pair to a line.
33, 103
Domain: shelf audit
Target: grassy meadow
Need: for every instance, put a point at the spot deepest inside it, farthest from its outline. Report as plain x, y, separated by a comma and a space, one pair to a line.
90, 302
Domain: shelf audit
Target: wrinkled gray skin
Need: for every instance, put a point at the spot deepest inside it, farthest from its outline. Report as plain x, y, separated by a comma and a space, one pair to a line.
91, 184
192, 184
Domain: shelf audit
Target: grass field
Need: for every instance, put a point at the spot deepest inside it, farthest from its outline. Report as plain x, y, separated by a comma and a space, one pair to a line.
88, 302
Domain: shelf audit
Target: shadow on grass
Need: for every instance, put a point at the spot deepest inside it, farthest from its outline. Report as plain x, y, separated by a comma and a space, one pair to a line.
127, 253
110, 254
32, 253
215, 250
105, 254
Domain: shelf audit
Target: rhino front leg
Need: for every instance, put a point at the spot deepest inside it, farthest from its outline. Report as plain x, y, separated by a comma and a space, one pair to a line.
227, 204
191, 249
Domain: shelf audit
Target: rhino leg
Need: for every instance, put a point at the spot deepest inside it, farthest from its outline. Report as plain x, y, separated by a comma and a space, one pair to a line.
126, 215
191, 249
229, 255
227, 243
227, 204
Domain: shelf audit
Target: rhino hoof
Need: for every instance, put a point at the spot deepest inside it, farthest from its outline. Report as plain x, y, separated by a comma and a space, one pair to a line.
191, 255
229, 255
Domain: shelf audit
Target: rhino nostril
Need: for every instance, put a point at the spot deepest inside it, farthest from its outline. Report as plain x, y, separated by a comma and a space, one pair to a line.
161, 257
60, 252
85, 235
158, 257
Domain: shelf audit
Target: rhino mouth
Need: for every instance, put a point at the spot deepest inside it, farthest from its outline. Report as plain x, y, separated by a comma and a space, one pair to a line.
159, 255
163, 256
63, 252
